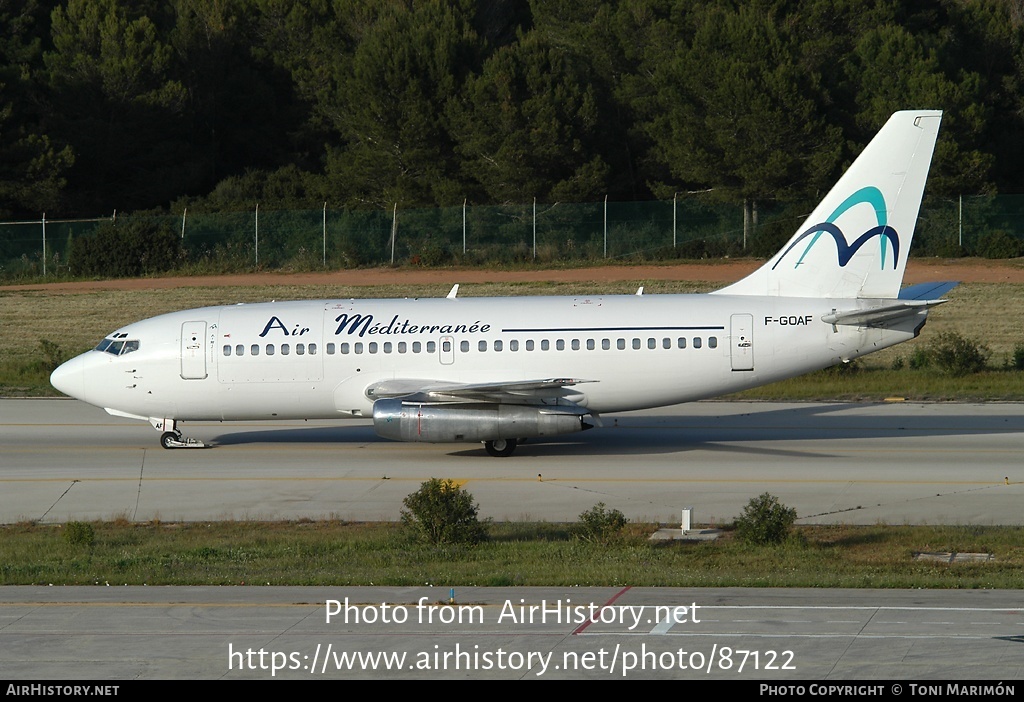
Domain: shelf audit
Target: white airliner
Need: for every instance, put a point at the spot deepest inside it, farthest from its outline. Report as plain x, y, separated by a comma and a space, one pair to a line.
499, 370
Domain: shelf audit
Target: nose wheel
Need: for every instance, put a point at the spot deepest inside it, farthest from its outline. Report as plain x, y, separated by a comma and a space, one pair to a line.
171, 438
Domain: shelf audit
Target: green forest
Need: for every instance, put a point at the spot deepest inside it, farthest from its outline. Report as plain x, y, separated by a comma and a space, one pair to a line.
158, 105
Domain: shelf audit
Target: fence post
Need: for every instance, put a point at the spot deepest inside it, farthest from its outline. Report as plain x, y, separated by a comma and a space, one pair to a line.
257, 235
44, 244
534, 229
394, 232
961, 218
325, 235
606, 226
183, 215
464, 226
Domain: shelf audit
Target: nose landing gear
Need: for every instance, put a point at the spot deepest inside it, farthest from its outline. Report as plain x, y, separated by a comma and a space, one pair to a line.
171, 438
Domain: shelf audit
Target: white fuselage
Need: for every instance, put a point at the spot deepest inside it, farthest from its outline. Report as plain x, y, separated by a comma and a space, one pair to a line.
317, 359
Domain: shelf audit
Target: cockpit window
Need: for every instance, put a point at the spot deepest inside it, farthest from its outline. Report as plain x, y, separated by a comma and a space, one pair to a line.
118, 348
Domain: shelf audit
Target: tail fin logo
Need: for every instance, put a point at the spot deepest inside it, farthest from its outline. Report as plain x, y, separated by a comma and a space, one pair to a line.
870, 196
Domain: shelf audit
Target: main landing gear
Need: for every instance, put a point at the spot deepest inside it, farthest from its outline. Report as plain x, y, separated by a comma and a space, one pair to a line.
500, 448
171, 438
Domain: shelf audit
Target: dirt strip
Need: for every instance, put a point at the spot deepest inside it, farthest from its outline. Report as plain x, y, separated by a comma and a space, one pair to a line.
918, 271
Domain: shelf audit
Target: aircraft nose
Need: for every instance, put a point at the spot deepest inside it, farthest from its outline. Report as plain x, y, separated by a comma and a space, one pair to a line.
69, 377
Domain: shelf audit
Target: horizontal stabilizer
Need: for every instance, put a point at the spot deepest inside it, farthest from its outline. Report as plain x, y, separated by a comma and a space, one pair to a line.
874, 316
927, 291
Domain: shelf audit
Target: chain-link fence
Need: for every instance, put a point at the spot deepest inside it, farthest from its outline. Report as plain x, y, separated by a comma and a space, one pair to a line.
686, 227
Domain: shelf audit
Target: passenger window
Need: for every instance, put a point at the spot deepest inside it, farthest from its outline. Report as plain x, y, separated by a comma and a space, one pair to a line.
286, 349
373, 347
330, 349
300, 349
417, 347
481, 346
696, 342
682, 342
545, 344
431, 346
387, 347
239, 350
254, 349
227, 349
270, 349
446, 346
464, 346
312, 349
652, 343
345, 348
498, 345
357, 347
620, 344
712, 342
402, 347
513, 345
575, 344
636, 343
529, 344
606, 344
666, 343
590, 344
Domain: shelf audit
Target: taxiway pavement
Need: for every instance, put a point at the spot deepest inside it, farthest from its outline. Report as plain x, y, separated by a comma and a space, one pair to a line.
936, 463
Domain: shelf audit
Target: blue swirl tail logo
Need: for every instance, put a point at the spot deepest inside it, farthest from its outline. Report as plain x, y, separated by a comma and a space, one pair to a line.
871, 196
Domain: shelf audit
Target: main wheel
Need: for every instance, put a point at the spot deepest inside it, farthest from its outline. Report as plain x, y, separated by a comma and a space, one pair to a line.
167, 437
500, 448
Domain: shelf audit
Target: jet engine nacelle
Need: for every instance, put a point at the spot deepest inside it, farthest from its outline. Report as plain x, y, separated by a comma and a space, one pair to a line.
449, 422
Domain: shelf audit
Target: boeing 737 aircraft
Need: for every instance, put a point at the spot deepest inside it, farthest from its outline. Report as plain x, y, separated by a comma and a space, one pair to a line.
498, 370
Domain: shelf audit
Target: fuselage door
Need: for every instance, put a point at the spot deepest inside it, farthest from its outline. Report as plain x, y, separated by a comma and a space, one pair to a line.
193, 356
446, 350
741, 331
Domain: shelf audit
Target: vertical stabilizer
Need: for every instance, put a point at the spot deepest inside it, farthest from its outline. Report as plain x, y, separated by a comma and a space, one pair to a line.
856, 241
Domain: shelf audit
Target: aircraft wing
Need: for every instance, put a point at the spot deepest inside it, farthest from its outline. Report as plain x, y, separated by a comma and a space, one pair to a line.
539, 391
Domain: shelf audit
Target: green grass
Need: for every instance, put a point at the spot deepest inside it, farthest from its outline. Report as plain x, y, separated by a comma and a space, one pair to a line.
536, 554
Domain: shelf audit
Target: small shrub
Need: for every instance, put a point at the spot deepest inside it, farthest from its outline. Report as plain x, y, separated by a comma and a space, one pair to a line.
765, 521
957, 355
919, 359
79, 533
844, 369
998, 244
1017, 359
129, 246
600, 524
441, 512
53, 354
